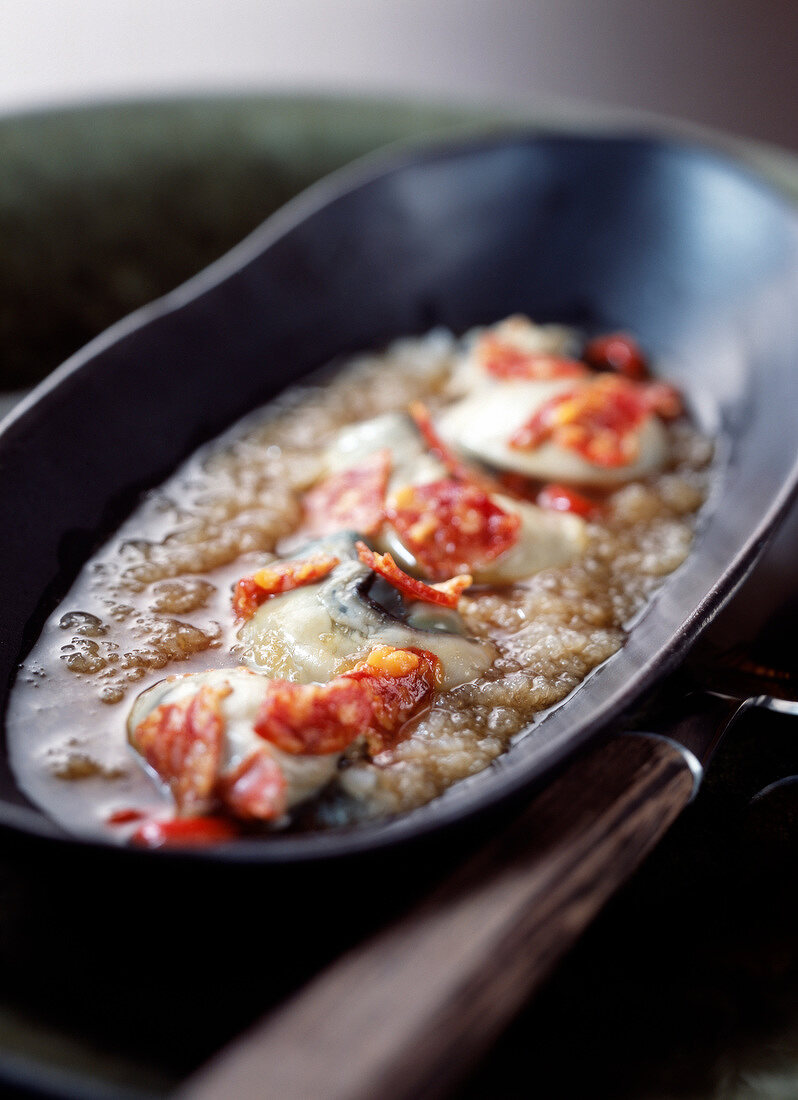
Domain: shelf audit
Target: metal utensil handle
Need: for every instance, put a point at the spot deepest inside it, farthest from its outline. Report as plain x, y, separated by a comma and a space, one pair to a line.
407, 1013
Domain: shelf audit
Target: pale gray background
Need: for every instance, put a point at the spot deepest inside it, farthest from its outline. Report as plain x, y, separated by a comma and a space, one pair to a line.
727, 63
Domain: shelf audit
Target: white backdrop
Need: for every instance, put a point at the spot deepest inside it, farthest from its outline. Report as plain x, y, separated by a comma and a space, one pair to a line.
729, 63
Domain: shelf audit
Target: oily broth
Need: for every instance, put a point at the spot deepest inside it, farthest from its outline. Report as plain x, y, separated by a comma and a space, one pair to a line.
155, 601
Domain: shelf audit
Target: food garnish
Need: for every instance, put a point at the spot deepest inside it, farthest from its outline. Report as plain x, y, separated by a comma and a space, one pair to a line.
182, 743
125, 816
451, 526
515, 348
505, 360
350, 500
562, 498
272, 580
617, 351
374, 699
455, 467
400, 682
185, 832
446, 594
599, 421
255, 789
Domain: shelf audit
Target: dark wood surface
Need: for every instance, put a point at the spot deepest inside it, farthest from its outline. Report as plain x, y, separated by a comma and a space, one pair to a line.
409, 1012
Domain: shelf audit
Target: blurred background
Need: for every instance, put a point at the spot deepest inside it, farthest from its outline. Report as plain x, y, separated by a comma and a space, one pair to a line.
725, 63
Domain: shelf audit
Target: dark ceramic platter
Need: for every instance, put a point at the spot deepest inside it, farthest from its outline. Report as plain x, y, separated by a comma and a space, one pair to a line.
685, 247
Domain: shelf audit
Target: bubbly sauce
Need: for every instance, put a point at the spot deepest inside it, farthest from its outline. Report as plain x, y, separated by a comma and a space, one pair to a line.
156, 601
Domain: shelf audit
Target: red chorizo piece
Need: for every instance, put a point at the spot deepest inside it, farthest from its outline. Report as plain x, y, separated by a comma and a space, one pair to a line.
256, 789
619, 352
599, 421
423, 421
562, 498
373, 699
182, 742
446, 594
455, 467
250, 592
313, 719
352, 500
184, 832
664, 400
125, 817
451, 526
506, 361
400, 682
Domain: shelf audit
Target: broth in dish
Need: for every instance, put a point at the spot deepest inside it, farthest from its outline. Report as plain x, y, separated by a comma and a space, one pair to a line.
362, 593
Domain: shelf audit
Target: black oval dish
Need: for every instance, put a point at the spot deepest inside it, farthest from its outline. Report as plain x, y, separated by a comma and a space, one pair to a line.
685, 247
